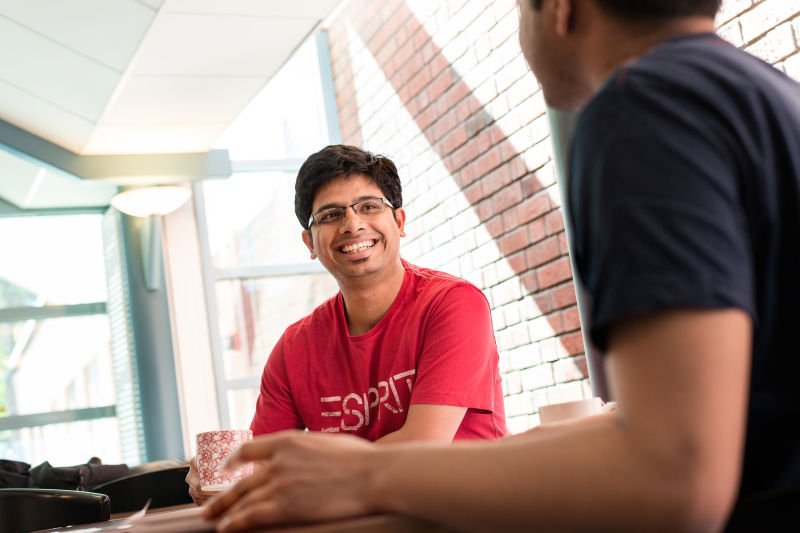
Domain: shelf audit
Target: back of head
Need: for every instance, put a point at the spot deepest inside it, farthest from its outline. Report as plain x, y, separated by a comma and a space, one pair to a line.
641, 10
647, 10
343, 161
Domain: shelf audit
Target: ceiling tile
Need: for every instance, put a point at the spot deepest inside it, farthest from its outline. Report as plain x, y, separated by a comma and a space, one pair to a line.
313, 9
163, 100
57, 75
219, 45
109, 31
167, 138
43, 118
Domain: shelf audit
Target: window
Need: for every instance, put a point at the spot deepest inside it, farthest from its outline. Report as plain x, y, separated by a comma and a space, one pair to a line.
58, 398
259, 277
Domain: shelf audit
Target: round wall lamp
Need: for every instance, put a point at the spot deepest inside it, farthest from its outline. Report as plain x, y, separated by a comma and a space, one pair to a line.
149, 201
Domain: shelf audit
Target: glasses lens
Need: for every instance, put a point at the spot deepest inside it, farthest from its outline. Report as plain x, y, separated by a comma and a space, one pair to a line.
330, 215
370, 206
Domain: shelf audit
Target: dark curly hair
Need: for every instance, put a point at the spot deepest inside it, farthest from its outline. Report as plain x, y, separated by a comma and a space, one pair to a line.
654, 9
343, 161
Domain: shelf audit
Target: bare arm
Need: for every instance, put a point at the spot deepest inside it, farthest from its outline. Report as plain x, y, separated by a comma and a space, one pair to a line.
668, 458
428, 422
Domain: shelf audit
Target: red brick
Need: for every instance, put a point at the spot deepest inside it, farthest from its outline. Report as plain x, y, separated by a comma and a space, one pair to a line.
477, 122
564, 295
484, 210
495, 226
473, 193
531, 185
563, 244
554, 221
528, 280
488, 161
510, 220
570, 319
536, 231
517, 262
517, 168
496, 180
572, 343
507, 197
440, 84
514, 241
453, 140
419, 81
554, 272
542, 252
534, 207
455, 95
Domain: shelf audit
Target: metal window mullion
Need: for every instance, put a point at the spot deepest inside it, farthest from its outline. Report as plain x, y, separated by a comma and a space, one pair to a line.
209, 282
18, 314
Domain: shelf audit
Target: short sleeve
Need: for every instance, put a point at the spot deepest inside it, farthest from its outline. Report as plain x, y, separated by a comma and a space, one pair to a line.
656, 208
275, 408
458, 363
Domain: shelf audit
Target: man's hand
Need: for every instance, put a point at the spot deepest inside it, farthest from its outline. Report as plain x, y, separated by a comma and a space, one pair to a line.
193, 480
298, 477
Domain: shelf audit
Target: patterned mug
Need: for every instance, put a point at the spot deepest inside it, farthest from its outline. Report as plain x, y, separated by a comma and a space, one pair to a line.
213, 447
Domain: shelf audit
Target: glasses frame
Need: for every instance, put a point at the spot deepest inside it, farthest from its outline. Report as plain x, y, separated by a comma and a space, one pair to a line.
312, 220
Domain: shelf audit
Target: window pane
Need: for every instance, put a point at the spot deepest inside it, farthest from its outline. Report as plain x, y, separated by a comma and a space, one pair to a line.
251, 221
241, 406
51, 260
56, 364
64, 444
254, 313
287, 118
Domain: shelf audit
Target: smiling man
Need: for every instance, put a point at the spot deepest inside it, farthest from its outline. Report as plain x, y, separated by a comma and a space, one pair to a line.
401, 352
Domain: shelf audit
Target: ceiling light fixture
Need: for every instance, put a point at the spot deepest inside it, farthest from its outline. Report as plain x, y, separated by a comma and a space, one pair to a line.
149, 201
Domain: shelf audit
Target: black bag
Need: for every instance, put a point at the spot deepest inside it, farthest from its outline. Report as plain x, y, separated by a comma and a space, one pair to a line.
16, 474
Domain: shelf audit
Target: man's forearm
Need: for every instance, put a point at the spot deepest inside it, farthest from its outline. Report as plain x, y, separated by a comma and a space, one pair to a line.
552, 484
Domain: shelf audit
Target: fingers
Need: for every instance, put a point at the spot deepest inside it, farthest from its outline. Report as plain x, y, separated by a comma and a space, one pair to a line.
221, 503
249, 518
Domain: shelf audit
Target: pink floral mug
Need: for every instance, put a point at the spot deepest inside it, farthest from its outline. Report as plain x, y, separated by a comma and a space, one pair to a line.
213, 447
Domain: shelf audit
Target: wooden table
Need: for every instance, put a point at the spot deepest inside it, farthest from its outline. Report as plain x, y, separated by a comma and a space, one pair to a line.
188, 520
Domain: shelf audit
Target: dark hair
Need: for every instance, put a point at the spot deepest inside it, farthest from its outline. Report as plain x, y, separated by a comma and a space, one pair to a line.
655, 9
343, 161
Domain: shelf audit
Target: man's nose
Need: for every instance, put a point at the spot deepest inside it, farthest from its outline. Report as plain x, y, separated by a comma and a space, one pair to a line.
352, 220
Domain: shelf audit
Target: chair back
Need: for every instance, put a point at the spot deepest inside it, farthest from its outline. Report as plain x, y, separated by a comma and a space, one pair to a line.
164, 488
34, 509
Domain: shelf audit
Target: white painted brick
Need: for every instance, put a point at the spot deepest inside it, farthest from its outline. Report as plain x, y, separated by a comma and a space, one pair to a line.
565, 392
765, 16
518, 404
537, 377
775, 45
523, 357
540, 329
792, 66
517, 424
731, 9
512, 383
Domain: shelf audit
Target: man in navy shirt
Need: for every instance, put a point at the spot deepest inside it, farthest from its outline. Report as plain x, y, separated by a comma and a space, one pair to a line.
685, 204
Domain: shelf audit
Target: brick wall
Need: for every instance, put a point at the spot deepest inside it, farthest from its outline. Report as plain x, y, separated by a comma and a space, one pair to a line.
441, 87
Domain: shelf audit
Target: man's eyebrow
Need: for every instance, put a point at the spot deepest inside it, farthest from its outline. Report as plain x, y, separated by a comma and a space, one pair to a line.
359, 199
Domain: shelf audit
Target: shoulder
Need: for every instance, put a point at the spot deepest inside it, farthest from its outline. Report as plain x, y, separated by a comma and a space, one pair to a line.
434, 285
322, 317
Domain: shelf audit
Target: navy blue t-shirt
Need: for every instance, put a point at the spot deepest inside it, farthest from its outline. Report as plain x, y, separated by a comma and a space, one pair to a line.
685, 192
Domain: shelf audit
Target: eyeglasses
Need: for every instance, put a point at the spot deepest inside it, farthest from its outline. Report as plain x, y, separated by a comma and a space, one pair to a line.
368, 206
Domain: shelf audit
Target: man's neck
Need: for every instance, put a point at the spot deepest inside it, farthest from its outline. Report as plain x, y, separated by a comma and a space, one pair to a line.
617, 43
368, 300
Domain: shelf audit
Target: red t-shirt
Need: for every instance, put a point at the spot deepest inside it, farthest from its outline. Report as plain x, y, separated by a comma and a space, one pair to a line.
434, 346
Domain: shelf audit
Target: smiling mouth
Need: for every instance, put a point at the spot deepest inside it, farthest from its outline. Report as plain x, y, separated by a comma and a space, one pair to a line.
358, 246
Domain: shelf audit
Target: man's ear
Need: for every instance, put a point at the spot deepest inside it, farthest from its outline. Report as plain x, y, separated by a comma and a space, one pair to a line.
564, 13
400, 219
308, 240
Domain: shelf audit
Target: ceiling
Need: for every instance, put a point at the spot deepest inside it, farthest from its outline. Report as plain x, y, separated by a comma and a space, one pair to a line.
128, 77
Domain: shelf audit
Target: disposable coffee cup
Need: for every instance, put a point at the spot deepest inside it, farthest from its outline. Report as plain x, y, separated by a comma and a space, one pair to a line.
213, 448
558, 412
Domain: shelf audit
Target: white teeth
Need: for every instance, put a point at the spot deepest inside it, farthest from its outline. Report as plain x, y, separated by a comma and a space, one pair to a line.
357, 246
